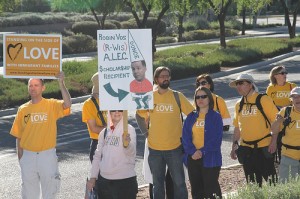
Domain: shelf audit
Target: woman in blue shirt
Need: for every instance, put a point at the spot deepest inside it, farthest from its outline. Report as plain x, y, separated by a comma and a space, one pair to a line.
202, 138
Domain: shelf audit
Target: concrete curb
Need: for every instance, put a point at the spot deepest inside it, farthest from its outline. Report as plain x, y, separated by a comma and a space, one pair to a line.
76, 100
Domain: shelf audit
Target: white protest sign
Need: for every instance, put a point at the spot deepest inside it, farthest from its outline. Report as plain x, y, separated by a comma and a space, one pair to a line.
125, 69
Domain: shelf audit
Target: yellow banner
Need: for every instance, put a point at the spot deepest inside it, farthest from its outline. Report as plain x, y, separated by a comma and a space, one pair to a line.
31, 56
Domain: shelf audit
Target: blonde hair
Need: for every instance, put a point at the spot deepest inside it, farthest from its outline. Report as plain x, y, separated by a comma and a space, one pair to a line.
274, 72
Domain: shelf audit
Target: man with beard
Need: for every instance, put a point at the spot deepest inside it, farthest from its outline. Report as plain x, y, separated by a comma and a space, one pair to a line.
164, 133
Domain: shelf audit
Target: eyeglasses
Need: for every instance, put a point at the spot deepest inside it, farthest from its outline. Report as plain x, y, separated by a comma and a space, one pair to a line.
203, 83
112, 111
201, 96
282, 73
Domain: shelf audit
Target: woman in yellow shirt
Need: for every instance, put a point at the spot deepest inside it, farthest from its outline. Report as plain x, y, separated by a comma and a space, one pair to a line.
205, 80
279, 88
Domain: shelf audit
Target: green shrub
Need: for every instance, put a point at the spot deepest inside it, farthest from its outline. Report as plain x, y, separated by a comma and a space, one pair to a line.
80, 18
192, 66
79, 43
86, 27
231, 24
161, 29
267, 47
109, 25
166, 40
199, 35
120, 17
290, 190
67, 32
115, 22
24, 19
130, 24
189, 26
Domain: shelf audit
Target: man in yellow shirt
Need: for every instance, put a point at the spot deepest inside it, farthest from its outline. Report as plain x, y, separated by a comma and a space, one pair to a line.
35, 130
289, 165
92, 117
165, 130
253, 131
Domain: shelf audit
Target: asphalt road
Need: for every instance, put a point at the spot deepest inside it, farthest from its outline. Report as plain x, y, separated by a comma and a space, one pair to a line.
73, 141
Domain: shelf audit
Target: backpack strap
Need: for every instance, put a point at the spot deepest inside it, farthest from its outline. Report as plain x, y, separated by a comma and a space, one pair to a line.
287, 121
260, 108
255, 142
176, 95
105, 133
291, 147
100, 115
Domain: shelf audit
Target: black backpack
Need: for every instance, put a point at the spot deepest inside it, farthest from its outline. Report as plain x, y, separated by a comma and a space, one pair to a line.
258, 105
286, 122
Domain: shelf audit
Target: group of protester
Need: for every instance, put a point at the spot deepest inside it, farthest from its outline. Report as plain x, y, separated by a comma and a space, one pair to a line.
175, 150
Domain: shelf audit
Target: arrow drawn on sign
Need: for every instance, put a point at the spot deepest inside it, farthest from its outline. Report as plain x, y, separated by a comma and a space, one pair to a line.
121, 94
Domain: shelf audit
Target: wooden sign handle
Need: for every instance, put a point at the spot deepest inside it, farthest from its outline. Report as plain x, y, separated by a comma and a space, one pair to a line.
125, 128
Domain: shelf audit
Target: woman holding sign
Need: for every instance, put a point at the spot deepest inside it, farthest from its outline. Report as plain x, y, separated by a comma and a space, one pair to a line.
115, 160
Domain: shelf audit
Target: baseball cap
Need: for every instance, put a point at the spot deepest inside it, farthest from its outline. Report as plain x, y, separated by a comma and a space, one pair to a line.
95, 80
295, 91
243, 77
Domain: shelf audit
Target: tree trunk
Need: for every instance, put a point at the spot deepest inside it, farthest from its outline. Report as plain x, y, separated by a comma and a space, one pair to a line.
244, 21
96, 17
154, 30
221, 19
180, 28
291, 27
103, 20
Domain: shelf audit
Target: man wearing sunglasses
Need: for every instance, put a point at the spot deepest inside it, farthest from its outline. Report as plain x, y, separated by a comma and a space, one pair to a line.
164, 133
253, 132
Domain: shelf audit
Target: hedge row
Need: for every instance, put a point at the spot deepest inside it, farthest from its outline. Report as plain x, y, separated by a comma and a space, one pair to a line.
185, 61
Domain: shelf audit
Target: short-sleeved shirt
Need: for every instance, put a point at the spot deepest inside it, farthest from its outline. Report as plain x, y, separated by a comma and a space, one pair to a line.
35, 124
251, 122
222, 109
281, 94
141, 87
90, 112
165, 126
198, 131
292, 134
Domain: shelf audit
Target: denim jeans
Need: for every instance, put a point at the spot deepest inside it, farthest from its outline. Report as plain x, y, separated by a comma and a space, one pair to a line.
173, 159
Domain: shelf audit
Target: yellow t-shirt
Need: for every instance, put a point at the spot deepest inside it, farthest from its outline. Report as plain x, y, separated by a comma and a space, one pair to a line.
35, 124
292, 134
165, 126
251, 122
223, 110
281, 94
198, 131
90, 112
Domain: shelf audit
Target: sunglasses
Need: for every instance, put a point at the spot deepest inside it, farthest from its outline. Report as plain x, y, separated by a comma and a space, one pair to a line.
203, 83
282, 73
201, 96
112, 111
